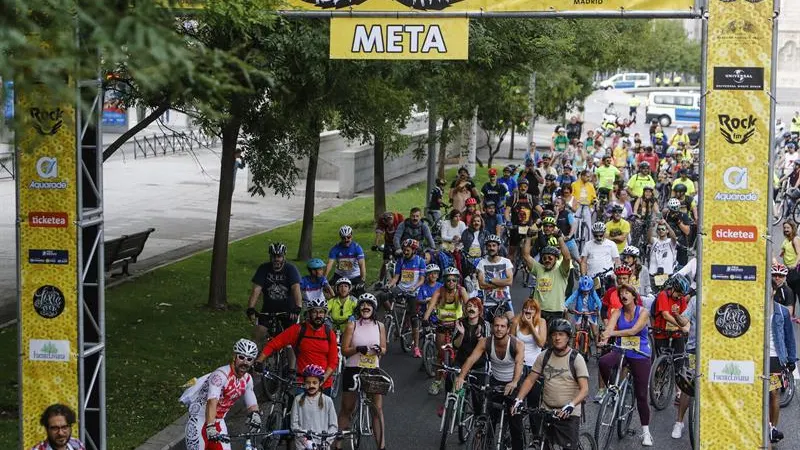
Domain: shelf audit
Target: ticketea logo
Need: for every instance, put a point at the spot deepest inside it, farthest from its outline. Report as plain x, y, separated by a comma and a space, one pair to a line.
734, 233
47, 122
48, 219
737, 130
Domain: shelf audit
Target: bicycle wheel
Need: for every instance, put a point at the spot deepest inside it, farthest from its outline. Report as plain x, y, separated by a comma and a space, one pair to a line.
626, 407
796, 213
787, 390
662, 382
336, 387
604, 427
388, 322
273, 422
692, 420
582, 345
465, 418
270, 387
366, 436
586, 441
447, 419
779, 212
406, 338
429, 358
480, 437
583, 232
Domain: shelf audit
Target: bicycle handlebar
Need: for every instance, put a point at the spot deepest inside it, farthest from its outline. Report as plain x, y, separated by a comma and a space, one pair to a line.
225, 438
619, 347
656, 330
324, 435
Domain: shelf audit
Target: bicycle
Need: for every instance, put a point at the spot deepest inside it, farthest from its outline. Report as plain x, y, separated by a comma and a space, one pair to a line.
430, 355
584, 335
280, 407
248, 437
397, 314
582, 233
277, 361
367, 384
388, 267
336, 387
544, 418
618, 404
786, 205
481, 435
321, 440
457, 410
662, 373
786, 384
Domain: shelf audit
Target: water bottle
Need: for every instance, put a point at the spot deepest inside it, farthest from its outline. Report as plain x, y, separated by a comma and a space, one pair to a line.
248, 445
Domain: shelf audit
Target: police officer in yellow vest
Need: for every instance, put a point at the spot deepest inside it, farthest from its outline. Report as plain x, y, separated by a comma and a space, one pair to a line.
676, 80
794, 128
633, 104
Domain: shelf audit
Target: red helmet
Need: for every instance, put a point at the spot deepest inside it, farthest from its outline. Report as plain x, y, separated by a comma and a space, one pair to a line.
492, 172
623, 270
779, 269
471, 201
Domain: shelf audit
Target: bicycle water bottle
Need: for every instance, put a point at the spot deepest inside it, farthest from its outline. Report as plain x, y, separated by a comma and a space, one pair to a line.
248, 445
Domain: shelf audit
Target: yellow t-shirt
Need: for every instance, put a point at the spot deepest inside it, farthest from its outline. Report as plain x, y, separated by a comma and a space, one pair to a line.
449, 312
615, 229
620, 155
340, 311
584, 193
679, 138
637, 183
688, 183
789, 254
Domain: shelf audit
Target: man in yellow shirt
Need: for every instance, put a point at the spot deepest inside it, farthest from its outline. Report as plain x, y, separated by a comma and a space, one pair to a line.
679, 136
643, 178
584, 192
683, 178
618, 228
606, 174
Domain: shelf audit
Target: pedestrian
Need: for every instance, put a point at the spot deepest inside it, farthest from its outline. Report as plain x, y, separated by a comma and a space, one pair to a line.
57, 421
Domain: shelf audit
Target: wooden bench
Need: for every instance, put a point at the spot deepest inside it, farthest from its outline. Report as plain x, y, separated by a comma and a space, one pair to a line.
122, 251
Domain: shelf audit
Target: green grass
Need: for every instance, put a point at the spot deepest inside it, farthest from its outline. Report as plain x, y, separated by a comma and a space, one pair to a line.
159, 334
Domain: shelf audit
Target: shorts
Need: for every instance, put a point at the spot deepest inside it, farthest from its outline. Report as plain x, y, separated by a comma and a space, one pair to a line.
565, 432
576, 319
775, 365
348, 377
514, 239
269, 323
196, 438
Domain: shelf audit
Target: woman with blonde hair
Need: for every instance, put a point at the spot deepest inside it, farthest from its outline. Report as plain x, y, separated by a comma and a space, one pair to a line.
530, 328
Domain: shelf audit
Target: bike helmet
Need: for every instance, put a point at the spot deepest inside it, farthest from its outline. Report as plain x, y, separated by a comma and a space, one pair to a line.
598, 228
550, 250
673, 204
684, 379
368, 298
313, 370
616, 209
680, 188
561, 325
410, 243
679, 283
343, 280
345, 231
779, 269
315, 263
493, 238
277, 249
471, 201
430, 268
550, 177
452, 271
585, 283
644, 165
630, 251
316, 303
523, 181
648, 188
245, 347
552, 241
489, 203
549, 220
791, 145
623, 269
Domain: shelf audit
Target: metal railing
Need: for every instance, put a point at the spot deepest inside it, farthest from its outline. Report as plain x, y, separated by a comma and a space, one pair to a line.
162, 144
7, 166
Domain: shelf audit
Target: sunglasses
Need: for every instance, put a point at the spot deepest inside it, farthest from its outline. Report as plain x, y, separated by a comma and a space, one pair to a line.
661, 229
244, 358
452, 280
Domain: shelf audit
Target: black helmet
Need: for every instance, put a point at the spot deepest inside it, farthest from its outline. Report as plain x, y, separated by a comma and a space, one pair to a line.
562, 325
617, 209
277, 249
679, 188
550, 250
684, 379
550, 177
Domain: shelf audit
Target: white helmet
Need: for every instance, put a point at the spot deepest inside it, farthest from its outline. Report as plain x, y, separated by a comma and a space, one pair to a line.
345, 231
673, 204
316, 303
368, 298
598, 227
245, 347
452, 271
630, 251
430, 268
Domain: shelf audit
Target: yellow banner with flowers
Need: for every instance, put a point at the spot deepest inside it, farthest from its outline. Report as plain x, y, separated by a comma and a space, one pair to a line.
735, 202
493, 5
47, 241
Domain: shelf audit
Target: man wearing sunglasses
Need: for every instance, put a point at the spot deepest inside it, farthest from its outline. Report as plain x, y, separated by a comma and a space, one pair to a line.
211, 400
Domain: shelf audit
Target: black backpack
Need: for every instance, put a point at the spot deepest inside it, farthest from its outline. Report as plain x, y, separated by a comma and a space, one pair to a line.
572, 356
302, 335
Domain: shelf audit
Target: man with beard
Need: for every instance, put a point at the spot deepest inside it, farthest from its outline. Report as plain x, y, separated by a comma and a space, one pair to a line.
492, 190
211, 400
523, 211
551, 279
495, 276
598, 254
413, 228
506, 355
57, 420
313, 341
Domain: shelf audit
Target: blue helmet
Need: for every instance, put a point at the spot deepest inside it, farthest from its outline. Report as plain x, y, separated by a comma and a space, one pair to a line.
585, 283
315, 263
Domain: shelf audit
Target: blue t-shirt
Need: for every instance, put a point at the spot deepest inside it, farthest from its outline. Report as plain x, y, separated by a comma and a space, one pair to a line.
313, 289
347, 259
410, 271
565, 179
510, 183
426, 291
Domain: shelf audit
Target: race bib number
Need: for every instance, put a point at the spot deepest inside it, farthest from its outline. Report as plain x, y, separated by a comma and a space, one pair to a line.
774, 381
692, 360
345, 265
408, 276
367, 361
474, 252
630, 342
545, 284
661, 279
522, 230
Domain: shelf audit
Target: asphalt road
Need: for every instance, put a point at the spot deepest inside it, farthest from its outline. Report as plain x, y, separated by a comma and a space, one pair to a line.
411, 418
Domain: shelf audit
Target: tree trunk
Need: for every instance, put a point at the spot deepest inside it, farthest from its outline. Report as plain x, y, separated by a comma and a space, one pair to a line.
218, 283
431, 162
443, 141
472, 147
511, 144
135, 129
496, 150
379, 189
305, 249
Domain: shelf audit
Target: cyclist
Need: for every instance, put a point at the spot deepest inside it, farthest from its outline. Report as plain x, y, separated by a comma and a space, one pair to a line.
348, 257
385, 229
790, 248
782, 355
474, 238
506, 355
629, 326
585, 195
687, 203
470, 330
618, 228
642, 178
549, 191
551, 279
670, 302
567, 177
470, 210
315, 285
409, 275
57, 421
584, 301
683, 226
607, 174
210, 401
492, 190
531, 329
461, 189
598, 254
424, 295
523, 211
565, 222
363, 344
279, 281
781, 292
495, 276
414, 228
684, 180
312, 410
647, 205
451, 230
493, 222
313, 341
448, 305
564, 389
648, 156
639, 279
663, 251
342, 305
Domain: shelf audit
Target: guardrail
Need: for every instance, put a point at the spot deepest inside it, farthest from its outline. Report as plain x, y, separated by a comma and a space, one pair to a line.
7, 166
153, 145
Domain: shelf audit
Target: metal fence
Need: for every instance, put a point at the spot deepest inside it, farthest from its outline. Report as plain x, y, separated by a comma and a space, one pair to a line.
162, 144
6, 166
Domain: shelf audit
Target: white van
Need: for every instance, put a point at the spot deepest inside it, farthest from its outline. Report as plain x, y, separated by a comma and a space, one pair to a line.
626, 81
673, 106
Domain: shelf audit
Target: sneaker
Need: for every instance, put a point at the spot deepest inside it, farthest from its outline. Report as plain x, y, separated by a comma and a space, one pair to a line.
435, 387
440, 411
677, 430
417, 353
647, 439
598, 397
775, 435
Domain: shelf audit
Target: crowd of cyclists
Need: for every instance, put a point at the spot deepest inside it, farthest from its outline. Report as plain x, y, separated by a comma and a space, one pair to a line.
598, 227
